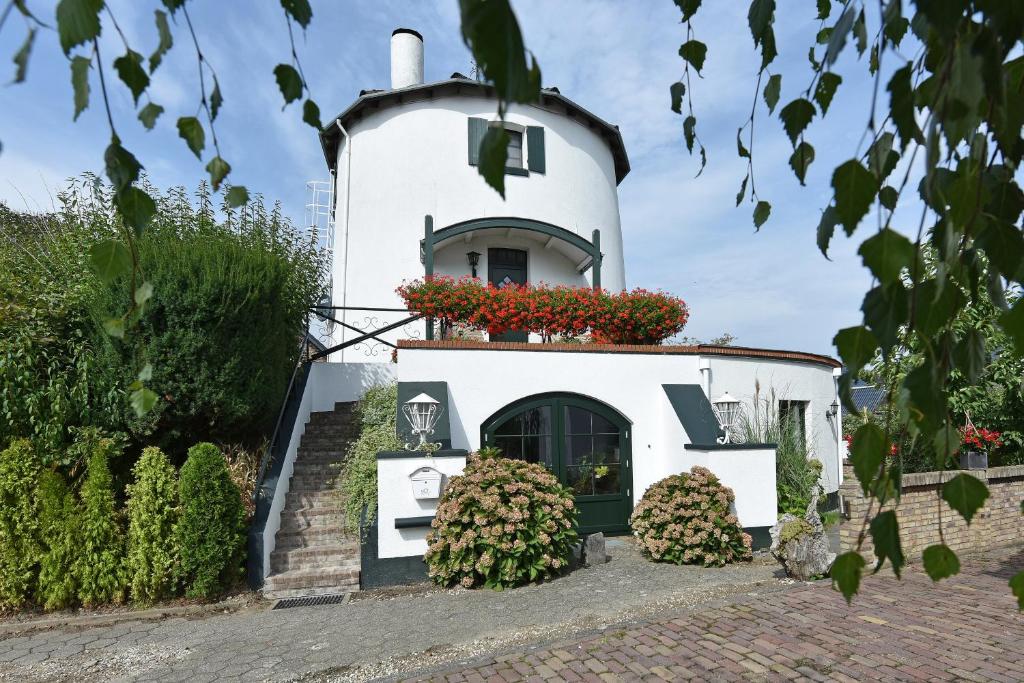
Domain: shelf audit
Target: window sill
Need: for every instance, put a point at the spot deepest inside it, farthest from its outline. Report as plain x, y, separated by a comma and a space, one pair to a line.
510, 170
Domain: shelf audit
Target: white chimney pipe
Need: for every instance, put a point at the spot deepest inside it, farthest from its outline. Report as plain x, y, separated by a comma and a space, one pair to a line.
406, 58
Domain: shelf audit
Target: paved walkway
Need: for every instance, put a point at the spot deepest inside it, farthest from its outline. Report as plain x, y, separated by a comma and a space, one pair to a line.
372, 636
966, 628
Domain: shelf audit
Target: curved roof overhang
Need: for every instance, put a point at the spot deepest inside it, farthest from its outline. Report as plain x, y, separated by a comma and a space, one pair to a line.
550, 100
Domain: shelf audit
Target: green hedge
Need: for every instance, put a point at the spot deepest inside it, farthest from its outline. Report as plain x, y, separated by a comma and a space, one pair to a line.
20, 551
58, 525
152, 516
99, 559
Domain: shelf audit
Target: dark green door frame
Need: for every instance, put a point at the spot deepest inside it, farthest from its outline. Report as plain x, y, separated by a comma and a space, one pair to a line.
608, 513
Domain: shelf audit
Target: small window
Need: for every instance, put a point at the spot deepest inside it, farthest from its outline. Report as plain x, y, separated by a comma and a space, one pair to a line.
515, 149
793, 421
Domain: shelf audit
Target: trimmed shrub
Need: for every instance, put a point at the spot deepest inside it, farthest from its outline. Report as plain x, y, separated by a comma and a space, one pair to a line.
152, 515
99, 555
20, 551
58, 524
685, 519
378, 412
501, 523
210, 535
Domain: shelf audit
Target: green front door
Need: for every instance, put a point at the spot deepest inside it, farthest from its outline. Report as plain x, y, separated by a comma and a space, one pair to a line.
584, 442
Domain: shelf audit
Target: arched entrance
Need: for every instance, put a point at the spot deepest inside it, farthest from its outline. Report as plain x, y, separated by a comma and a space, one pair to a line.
586, 443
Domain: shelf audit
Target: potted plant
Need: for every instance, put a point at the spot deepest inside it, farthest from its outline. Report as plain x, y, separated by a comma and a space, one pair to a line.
978, 443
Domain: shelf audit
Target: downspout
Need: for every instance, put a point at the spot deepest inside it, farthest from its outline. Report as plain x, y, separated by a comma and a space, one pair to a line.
705, 374
836, 372
348, 201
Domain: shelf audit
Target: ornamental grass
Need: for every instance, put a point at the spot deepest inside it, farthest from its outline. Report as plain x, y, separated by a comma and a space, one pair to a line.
501, 523
629, 317
686, 519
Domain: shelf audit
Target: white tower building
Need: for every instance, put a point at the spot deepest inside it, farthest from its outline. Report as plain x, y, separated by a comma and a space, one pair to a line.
410, 201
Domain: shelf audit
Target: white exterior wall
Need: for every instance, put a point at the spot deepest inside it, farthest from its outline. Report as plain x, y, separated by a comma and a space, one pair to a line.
395, 500
411, 160
480, 382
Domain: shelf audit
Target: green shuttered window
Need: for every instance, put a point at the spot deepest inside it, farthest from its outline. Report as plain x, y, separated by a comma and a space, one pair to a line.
477, 130
535, 156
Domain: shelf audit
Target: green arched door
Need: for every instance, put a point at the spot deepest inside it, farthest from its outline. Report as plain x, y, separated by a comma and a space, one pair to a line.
585, 442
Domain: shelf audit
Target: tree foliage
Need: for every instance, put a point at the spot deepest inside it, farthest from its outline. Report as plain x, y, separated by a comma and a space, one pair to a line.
98, 567
58, 532
152, 514
20, 551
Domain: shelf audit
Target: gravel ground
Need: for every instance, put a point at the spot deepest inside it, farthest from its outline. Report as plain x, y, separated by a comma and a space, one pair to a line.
375, 635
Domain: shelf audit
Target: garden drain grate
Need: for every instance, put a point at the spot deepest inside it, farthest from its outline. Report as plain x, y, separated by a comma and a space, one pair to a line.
312, 601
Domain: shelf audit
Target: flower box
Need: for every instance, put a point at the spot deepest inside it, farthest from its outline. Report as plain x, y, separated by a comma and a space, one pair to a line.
973, 460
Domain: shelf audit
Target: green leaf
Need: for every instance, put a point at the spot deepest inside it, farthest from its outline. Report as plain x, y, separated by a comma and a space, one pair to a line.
901, 106
801, 160
896, 28
885, 312
136, 208
886, 254
491, 32
860, 32
80, 83
677, 90
885, 534
881, 157
191, 131
743, 190
935, 307
689, 132
740, 149
845, 573
111, 259
796, 116
1003, 244
855, 189
888, 196
114, 327
759, 18
1017, 587
218, 170
78, 21
311, 114
965, 494
166, 41
122, 167
826, 228
149, 114
940, 562
144, 293
216, 99
761, 213
688, 8
772, 90
289, 82
493, 155
299, 10
694, 52
924, 396
970, 355
840, 32
824, 9
946, 443
22, 55
856, 346
1012, 321
870, 446
237, 196
129, 69
826, 90
146, 373
142, 401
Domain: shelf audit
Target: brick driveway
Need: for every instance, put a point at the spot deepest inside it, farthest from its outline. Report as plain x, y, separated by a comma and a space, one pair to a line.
964, 628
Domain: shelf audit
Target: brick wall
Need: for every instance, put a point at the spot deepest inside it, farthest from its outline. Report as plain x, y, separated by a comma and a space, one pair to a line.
999, 523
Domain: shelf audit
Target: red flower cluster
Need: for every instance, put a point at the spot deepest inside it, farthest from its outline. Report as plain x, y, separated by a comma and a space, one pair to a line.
981, 439
635, 317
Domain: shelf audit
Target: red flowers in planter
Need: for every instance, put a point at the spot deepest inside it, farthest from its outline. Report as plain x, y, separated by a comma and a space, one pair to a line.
634, 317
981, 439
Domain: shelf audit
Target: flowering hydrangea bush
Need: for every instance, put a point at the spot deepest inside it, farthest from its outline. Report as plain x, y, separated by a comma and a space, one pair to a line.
501, 523
685, 519
634, 317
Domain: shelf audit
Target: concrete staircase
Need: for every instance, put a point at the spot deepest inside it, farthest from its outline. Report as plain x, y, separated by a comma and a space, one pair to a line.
313, 554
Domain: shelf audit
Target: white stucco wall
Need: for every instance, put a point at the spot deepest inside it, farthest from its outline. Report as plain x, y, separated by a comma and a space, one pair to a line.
480, 382
412, 160
395, 500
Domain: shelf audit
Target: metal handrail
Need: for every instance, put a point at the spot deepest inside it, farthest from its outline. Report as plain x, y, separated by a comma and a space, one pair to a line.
268, 455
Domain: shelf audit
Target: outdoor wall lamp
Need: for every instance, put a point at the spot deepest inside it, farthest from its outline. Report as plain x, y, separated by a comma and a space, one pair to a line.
474, 259
727, 409
833, 409
422, 412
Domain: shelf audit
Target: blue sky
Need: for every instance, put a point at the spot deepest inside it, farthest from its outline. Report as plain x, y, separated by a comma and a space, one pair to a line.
617, 59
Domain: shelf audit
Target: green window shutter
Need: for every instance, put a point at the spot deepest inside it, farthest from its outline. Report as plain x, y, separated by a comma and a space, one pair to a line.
477, 130
535, 148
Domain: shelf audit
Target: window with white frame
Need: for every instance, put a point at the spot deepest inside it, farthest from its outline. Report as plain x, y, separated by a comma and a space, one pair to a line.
515, 149
793, 419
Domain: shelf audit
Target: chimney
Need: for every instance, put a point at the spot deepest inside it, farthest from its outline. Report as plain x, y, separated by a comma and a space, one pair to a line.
406, 58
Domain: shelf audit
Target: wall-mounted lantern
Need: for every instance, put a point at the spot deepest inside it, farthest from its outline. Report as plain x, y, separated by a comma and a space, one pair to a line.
833, 410
727, 409
422, 412
474, 260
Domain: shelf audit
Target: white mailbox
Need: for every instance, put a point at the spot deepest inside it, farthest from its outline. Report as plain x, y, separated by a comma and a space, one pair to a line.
426, 483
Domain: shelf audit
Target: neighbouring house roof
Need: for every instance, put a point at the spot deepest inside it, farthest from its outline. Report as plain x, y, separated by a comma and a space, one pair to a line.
866, 396
693, 350
370, 101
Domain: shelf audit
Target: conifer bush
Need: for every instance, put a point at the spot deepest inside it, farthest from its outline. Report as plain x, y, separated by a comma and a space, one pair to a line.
211, 530
501, 523
99, 563
19, 529
152, 515
686, 519
58, 525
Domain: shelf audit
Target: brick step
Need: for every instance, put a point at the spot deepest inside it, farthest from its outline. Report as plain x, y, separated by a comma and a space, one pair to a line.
308, 512
295, 500
314, 466
344, 577
314, 556
311, 484
288, 539
319, 443
330, 453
